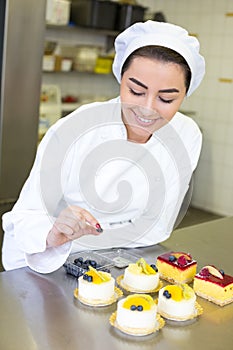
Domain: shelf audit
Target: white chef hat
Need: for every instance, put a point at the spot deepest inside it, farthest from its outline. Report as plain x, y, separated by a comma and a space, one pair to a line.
162, 34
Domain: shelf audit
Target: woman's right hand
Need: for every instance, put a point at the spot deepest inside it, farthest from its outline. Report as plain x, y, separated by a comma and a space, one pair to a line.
72, 223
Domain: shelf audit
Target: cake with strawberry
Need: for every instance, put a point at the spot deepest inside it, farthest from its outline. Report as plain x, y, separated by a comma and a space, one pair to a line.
137, 314
176, 267
140, 277
214, 285
178, 302
96, 288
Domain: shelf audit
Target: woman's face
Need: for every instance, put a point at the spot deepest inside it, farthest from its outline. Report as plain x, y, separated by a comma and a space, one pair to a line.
151, 93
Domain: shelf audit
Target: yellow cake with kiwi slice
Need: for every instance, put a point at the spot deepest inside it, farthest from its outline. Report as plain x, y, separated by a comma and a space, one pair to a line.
214, 285
96, 287
137, 314
141, 277
176, 267
177, 302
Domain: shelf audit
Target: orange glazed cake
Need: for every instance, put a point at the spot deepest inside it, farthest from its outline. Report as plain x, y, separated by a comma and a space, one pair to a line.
96, 287
176, 267
136, 314
141, 276
177, 302
214, 285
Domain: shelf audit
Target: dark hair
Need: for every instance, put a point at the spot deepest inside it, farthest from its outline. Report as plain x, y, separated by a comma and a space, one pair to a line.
160, 53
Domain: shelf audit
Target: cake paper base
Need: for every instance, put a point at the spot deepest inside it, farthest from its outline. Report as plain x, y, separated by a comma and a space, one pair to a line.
98, 303
198, 312
213, 300
121, 283
137, 331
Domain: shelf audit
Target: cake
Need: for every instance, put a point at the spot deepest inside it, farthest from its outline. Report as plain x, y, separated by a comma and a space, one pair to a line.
177, 302
137, 314
141, 277
214, 285
176, 267
96, 287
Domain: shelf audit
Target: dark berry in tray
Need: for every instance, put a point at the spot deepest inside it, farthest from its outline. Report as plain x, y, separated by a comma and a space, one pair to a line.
78, 266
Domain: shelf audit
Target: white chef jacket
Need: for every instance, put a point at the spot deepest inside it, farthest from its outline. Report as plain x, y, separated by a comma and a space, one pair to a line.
154, 179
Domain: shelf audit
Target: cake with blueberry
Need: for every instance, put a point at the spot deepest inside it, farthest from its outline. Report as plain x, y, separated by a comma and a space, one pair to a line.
96, 287
141, 277
137, 314
176, 267
177, 302
214, 285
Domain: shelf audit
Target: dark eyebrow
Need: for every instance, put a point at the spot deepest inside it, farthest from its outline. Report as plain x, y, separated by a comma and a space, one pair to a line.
138, 83
146, 87
169, 90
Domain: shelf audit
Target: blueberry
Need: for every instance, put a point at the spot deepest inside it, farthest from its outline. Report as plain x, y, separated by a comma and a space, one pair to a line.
140, 308
93, 263
222, 272
90, 278
154, 267
172, 258
85, 266
167, 294
85, 276
133, 307
78, 262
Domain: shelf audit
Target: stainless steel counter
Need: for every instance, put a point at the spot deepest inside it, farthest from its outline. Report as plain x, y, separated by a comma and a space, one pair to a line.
38, 312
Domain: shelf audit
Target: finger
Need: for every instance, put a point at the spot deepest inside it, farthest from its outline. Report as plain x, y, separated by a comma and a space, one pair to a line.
86, 216
73, 226
88, 230
64, 228
69, 220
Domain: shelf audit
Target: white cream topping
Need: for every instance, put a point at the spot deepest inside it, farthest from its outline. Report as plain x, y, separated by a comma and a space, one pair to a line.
93, 291
183, 308
141, 281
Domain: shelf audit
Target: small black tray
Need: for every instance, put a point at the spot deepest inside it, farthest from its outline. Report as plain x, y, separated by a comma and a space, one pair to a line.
102, 260
77, 269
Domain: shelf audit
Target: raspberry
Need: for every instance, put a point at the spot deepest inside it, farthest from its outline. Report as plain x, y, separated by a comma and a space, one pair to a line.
204, 272
181, 260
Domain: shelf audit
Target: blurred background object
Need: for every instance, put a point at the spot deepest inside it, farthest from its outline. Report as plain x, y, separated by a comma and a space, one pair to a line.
159, 17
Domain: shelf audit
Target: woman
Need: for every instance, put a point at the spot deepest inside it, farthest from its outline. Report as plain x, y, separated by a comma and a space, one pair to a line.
157, 65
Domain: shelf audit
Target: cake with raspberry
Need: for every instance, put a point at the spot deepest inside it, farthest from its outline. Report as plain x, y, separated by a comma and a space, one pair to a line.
178, 302
176, 267
140, 277
137, 314
96, 288
214, 285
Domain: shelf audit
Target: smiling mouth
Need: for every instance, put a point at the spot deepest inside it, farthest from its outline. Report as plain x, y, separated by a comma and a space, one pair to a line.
146, 121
